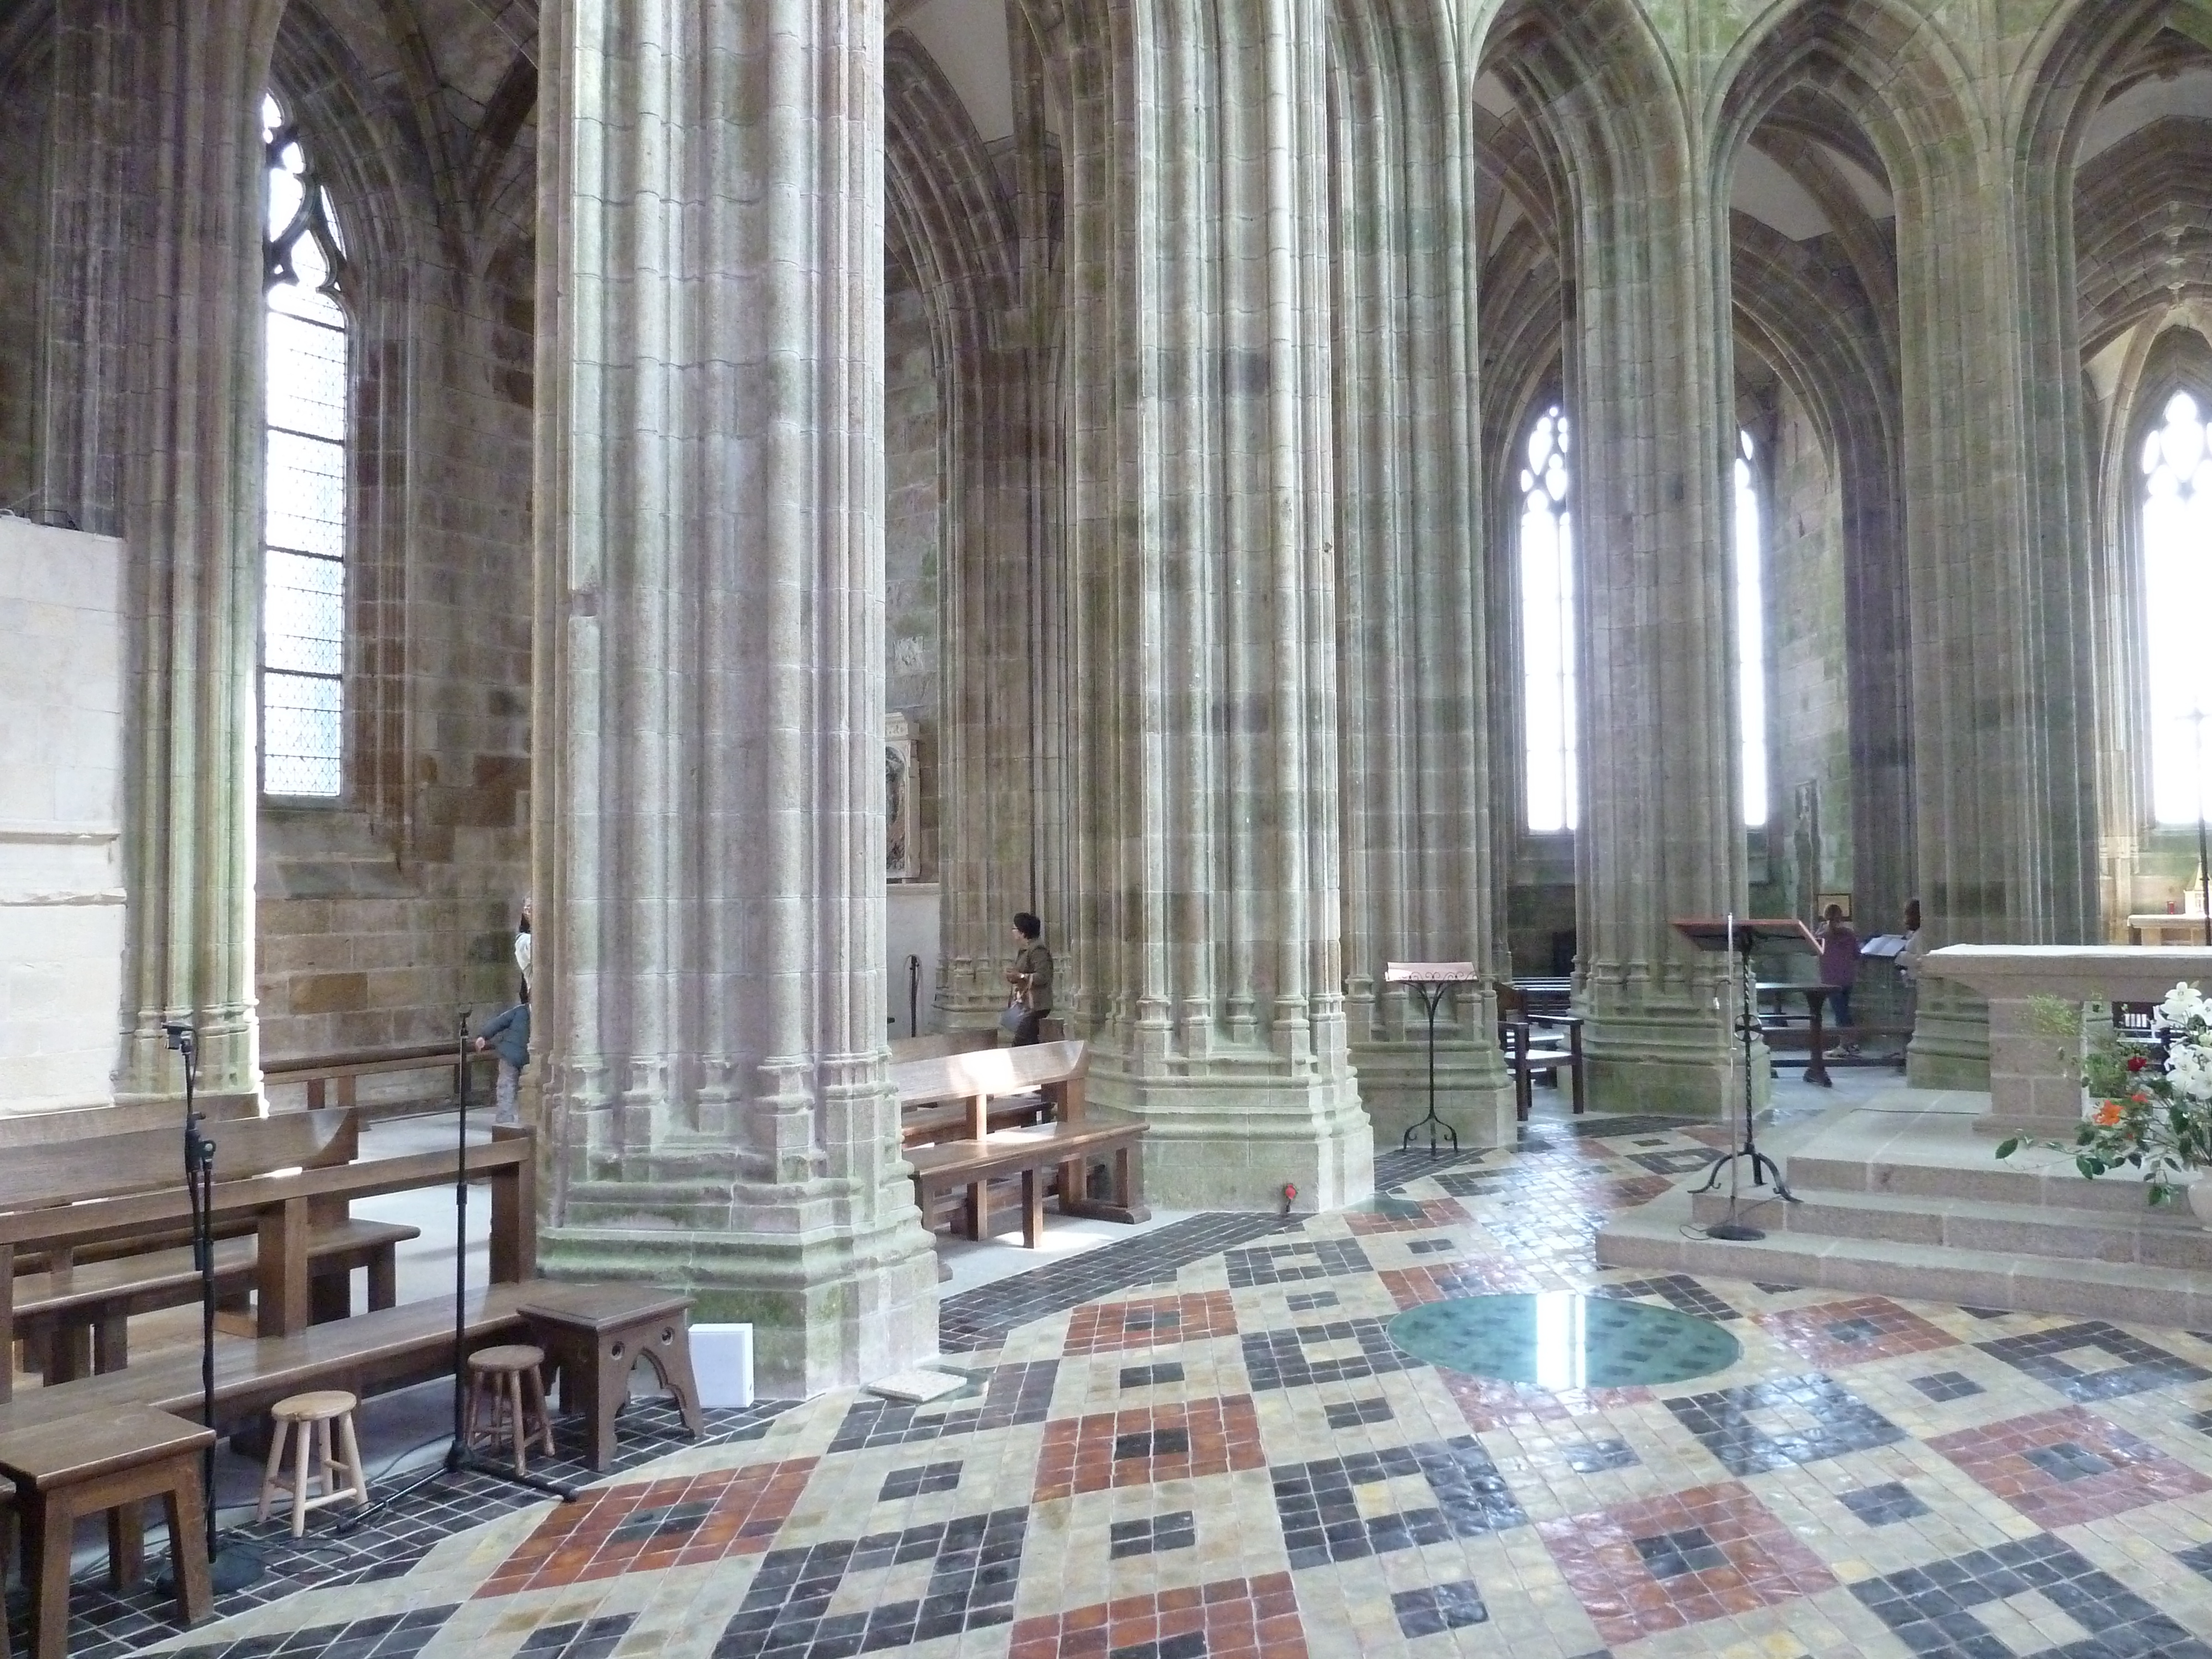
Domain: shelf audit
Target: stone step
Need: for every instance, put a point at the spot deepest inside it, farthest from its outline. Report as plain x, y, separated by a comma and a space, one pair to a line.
2048, 1182
2169, 1237
1656, 1236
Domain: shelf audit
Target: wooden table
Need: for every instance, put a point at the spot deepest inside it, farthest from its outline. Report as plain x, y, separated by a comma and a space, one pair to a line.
595, 1334
111, 1460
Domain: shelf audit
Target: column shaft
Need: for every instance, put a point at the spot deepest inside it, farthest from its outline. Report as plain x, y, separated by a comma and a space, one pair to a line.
708, 773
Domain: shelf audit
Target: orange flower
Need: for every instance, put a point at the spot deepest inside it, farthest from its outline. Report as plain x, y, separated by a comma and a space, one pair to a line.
2107, 1114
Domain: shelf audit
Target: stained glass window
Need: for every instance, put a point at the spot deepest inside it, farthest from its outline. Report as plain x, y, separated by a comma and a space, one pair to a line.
2177, 542
1750, 633
1547, 627
304, 533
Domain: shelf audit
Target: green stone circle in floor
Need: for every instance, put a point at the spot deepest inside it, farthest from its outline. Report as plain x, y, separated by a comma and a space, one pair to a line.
1557, 1339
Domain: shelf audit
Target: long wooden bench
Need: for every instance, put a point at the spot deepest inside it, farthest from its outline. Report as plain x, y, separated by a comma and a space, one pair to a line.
75, 1321
969, 1167
971, 1081
319, 1071
281, 1207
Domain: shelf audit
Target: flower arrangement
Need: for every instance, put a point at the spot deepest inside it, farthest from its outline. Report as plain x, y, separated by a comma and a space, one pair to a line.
2152, 1115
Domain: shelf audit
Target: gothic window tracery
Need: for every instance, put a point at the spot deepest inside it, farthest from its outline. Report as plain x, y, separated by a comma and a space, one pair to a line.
1547, 627
2176, 539
1751, 633
304, 537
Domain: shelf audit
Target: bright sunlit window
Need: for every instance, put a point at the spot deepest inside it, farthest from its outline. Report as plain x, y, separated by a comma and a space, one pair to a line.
1750, 634
2176, 541
304, 574
1548, 627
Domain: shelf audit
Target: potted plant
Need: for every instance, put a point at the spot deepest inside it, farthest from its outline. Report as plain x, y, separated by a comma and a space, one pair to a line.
2152, 1109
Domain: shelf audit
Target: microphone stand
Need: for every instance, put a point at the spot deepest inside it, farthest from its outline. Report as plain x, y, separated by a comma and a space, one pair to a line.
231, 1567
459, 1457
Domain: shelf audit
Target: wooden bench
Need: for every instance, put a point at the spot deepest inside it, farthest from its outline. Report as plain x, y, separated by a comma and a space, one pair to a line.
75, 1320
1031, 1154
282, 1208
1545, 1045
318, 1072
939, 1044
971, 1081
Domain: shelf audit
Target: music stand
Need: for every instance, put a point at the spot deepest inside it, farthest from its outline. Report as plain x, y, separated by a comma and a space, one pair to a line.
1739, 936
1430, 980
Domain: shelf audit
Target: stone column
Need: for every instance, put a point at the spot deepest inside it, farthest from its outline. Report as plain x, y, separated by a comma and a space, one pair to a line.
1654, 445
983, 265
1996, 549
708, 753
1206, 963
1416, 753
151, 428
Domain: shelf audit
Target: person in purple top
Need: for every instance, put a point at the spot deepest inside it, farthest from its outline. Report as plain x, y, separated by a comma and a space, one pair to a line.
1839, 963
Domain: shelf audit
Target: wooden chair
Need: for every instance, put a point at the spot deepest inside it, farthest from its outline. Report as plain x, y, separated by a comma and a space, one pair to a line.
317, 1414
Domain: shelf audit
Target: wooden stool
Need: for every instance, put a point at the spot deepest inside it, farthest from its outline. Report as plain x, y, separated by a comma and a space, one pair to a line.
595, 1334
297, 1417
496, 1377
112, 1459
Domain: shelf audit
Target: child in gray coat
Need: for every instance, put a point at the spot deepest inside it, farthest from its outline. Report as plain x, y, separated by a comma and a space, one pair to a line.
508, 1035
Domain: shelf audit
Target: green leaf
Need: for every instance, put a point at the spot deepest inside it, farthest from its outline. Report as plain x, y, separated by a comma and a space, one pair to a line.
2007, 1148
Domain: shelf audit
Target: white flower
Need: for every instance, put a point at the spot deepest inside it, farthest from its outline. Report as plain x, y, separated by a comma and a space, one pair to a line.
2184, 1006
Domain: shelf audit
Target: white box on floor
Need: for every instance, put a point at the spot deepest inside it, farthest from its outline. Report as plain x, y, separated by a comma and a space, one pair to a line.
722, 1358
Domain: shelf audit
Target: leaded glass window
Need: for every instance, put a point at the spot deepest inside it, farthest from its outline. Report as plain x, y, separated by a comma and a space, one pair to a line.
304, 535
1751, 633
2177, 543
1547, 627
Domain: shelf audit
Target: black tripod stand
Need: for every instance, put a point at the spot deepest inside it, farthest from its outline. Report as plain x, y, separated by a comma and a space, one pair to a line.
230, 1566
1430, 980
458, 1458
1741, 936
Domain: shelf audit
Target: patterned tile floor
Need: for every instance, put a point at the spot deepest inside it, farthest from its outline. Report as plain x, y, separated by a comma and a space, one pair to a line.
1202, 1443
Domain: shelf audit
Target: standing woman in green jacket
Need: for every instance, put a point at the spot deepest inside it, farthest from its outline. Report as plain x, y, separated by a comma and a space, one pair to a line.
1031, 978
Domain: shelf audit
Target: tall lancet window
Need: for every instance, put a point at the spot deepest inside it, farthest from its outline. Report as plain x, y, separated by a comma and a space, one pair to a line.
1548, 627
304, 573
2176, 541
1750, 633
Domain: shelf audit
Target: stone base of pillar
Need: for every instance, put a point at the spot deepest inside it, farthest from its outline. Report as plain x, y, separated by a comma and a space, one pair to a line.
1225, 1142
1950, 1046
1677, 1060
1474, 1093
829, 1308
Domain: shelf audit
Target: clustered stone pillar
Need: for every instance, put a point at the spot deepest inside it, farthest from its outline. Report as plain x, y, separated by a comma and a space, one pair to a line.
1203, 598
1998, 574
708, 748
1416, 830
1661, 835
149, 428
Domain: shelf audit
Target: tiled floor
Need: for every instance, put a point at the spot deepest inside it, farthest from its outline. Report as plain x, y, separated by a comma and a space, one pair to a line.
1202, 1442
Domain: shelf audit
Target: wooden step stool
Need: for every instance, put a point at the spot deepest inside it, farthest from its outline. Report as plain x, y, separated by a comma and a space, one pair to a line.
297, 1416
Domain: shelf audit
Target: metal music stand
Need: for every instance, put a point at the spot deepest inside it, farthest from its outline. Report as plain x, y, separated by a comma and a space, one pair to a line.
1739, 936
1430, 980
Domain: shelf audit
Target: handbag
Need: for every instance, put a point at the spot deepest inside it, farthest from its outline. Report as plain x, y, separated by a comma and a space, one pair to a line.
1010, 1016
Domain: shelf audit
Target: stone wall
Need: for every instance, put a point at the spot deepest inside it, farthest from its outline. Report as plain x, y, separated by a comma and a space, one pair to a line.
23, 101
61, 885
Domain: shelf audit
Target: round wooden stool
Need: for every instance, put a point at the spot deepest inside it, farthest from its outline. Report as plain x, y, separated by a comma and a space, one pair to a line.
297, 1417
495, 1402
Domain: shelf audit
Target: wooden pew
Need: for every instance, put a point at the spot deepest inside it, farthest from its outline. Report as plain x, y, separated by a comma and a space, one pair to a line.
939, 1044
1031, 1153
281, 1207
319, 1071
972, 1080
